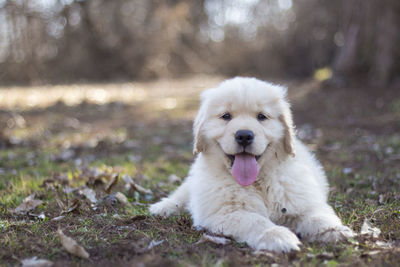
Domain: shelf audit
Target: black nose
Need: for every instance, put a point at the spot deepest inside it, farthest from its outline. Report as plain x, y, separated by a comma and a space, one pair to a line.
244, 137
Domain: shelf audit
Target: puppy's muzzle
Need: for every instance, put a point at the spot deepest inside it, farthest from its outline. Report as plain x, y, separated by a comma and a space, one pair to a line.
244, 137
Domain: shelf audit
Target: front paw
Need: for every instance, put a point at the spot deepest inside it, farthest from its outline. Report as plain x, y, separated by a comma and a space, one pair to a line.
164, 208
332, 234
278, 239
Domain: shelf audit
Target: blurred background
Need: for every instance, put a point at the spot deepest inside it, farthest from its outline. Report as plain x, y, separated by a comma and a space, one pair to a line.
98, 88
64, 41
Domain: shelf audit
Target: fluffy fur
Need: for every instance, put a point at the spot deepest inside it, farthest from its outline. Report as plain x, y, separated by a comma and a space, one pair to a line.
290, 194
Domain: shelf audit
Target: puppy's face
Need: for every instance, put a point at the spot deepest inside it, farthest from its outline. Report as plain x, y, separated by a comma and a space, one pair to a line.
240, 121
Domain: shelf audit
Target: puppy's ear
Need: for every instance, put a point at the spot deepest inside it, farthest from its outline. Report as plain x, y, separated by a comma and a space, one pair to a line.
286, 119
199, 144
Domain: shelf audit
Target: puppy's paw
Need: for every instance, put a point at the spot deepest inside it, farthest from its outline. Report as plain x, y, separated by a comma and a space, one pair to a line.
164, 208
324, 228
332, 234
278, 239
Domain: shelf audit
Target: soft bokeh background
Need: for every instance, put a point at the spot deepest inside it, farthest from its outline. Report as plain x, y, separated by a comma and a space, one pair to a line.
66, 41
97, 99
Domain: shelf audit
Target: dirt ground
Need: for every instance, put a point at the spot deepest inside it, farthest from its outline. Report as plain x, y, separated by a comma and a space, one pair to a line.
96, 156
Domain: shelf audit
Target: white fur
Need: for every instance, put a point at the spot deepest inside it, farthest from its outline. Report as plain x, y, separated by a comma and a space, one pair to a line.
290, 194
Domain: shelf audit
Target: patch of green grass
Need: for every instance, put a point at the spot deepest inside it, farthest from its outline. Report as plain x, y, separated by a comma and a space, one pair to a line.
161, 148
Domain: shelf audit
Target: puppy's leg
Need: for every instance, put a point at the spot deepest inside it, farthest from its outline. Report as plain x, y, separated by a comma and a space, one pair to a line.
172, 204
323, 225
254, 229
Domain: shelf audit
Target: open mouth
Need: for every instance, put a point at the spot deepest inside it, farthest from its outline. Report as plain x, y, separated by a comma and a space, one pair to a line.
232, 157
244, 168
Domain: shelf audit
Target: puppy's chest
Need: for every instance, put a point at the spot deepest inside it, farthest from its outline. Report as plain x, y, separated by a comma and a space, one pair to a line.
281, 204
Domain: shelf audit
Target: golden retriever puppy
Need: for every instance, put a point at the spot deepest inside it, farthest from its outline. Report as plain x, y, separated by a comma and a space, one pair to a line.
252, 178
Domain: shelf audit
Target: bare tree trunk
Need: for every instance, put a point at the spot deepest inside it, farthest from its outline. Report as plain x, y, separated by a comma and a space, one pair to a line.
346, 57
371, 41
387, 40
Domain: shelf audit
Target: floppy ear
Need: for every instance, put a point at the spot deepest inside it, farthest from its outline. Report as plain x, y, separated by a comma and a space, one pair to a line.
199, 144
286, 119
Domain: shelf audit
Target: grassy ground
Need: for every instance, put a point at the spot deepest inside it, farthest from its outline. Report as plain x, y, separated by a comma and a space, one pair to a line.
59, 151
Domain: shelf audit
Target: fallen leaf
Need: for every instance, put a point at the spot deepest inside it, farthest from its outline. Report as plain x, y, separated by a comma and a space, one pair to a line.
368, 229
60, 203
93, 175
131, 185
141, 189
385, 245
215, 239
58, 218
35, 262
28, 204
122, 198
370, 253
154, 244
89, 194
72, 246
128, 182
75, 204
111, 183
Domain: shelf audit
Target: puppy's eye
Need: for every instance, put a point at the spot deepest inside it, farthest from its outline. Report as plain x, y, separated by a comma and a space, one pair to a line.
261, 117
226, 116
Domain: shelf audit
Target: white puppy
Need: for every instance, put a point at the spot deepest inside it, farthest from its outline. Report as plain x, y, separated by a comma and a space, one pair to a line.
252, 178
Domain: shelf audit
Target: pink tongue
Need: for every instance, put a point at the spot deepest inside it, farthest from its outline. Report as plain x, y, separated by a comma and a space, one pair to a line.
245, 169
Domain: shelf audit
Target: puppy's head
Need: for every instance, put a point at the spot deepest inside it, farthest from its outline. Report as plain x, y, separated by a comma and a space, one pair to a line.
242, 121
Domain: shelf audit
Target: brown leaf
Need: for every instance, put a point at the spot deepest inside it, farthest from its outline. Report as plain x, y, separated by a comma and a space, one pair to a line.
131, 185
111, 183
75, 204
128, 182
28, 204
370, 253
122, 198
60, 203
141, 189
72, 246
93, 176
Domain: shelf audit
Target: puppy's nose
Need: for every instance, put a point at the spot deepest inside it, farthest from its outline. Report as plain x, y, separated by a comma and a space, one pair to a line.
244, 137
